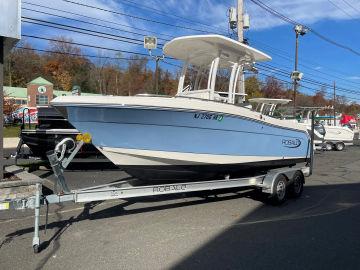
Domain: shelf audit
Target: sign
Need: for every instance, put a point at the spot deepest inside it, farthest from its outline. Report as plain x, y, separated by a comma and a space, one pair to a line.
10, 23
29, 114
42, 89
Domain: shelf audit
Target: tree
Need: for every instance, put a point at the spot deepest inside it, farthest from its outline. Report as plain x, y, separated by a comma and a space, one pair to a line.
66, 67
9, 105
319, 98
167, 85
252, 87
22, 66
273, 88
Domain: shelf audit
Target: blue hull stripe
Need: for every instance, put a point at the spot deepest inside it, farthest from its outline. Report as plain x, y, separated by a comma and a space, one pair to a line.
179, 131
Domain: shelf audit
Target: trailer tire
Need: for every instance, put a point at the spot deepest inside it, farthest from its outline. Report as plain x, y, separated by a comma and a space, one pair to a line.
339, 146
297, 186
329, 146
279, 190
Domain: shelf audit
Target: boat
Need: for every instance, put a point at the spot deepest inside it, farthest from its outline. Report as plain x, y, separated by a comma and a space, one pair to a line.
325, 135
200, 133
334, 136
51, 127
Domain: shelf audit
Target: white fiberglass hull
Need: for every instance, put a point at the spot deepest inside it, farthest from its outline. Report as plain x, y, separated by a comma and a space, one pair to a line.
177, 138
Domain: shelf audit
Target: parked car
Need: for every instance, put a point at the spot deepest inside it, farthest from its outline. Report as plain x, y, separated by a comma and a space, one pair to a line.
8, 119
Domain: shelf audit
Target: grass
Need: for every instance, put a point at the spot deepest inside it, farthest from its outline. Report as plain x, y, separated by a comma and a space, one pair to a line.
11, 131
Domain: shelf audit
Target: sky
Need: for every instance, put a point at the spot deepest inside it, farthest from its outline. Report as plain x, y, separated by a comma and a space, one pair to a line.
338, 20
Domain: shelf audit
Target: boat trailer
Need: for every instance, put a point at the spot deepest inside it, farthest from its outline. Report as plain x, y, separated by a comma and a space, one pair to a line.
276, 184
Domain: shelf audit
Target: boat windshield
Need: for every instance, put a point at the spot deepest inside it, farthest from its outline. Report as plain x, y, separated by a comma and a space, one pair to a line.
270, 106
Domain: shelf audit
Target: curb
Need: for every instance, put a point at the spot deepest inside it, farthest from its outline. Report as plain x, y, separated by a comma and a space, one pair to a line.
23, 188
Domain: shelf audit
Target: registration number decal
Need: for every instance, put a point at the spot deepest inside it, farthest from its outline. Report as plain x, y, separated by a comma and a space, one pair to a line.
209, 116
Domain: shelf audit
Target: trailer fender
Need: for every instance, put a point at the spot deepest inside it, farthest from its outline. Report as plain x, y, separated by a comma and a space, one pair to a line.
269, 179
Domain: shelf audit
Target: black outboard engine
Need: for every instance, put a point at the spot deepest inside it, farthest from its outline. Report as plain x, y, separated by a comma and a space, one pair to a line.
320, 129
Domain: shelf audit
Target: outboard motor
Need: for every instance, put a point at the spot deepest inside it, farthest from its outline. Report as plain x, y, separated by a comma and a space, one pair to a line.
320, 129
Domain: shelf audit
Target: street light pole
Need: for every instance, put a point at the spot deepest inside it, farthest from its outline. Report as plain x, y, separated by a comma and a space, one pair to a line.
150, 43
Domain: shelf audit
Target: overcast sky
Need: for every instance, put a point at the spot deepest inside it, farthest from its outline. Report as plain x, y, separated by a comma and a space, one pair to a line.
338, 20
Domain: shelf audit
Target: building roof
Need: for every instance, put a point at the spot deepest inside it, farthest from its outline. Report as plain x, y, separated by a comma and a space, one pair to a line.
40, 81
19, 92
15, 92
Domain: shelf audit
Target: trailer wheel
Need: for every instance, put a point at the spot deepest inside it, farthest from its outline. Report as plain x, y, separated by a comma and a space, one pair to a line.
339, 146
297, 186
279, 190
328, 146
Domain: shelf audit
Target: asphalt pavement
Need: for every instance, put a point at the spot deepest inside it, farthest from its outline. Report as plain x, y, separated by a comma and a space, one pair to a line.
235, 230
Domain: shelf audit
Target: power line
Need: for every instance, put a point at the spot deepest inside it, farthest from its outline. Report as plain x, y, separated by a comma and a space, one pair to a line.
80, 55
82, 31
89, 46
309, 80
135, 17
339, 8
286, 56
329, 95
350, 5
93, 56
290, 21
318, 71
90, 23
93, 18
158, 11
83, 45
312, 82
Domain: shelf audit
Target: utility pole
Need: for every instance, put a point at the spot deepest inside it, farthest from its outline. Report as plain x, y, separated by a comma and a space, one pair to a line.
157, 59
300, 30
334, 102
296, 68
240, 31
1, 107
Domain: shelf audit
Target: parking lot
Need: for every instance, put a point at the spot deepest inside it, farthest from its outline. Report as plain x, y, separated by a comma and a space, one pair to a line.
235, 230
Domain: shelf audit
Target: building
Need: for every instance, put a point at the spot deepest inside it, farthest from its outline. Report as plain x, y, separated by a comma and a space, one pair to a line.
38, 92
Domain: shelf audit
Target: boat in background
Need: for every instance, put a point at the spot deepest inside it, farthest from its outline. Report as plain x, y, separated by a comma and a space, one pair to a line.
51, 127
199, 134
334, 137
325, 135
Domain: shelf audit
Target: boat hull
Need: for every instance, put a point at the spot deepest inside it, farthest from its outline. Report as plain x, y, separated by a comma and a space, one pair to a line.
170, 144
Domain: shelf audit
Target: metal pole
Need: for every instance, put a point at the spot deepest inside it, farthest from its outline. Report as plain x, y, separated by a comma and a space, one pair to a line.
157, 75
334, 102
1, 108
240, 30
312, 138
296, 67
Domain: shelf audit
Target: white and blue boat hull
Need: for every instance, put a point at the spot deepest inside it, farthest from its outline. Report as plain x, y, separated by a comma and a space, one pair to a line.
179, 143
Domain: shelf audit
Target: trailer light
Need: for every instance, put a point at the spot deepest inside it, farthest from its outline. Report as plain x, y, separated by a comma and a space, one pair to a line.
86, 137
79, 137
